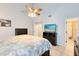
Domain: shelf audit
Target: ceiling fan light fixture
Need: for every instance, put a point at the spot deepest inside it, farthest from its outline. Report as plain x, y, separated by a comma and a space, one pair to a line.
33, 12
32, 15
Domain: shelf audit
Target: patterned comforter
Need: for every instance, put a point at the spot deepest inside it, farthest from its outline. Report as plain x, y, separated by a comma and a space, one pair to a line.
24, 45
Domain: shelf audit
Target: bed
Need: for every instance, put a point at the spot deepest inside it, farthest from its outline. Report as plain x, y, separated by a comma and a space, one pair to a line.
25, 45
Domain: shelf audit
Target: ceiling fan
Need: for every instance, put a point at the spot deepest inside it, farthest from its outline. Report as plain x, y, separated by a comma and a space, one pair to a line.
32, 11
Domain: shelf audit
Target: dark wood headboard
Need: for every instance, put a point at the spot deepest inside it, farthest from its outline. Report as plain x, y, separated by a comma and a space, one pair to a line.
20, 31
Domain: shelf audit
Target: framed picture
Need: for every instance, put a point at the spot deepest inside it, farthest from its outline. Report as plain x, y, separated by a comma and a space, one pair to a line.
5, 23
50, 27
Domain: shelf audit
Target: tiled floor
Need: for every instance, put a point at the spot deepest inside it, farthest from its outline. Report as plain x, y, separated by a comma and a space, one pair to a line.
57, 51
67, 50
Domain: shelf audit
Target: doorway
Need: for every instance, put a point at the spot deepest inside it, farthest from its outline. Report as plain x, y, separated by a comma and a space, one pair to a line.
71, 35
38, 30
71, 28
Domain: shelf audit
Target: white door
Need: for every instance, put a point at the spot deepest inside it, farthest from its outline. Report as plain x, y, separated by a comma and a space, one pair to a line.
38, 30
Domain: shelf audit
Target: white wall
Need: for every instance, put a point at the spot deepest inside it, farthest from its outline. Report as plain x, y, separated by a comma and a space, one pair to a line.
60, 22
59, 12
18, 19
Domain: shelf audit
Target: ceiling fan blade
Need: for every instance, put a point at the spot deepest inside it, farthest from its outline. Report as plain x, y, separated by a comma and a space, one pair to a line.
33, 11
39, 9
30, 9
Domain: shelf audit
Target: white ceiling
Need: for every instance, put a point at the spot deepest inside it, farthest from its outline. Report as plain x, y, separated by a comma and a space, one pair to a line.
69, 10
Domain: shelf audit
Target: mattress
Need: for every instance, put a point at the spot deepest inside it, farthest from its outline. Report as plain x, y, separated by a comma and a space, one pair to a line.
24, 45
